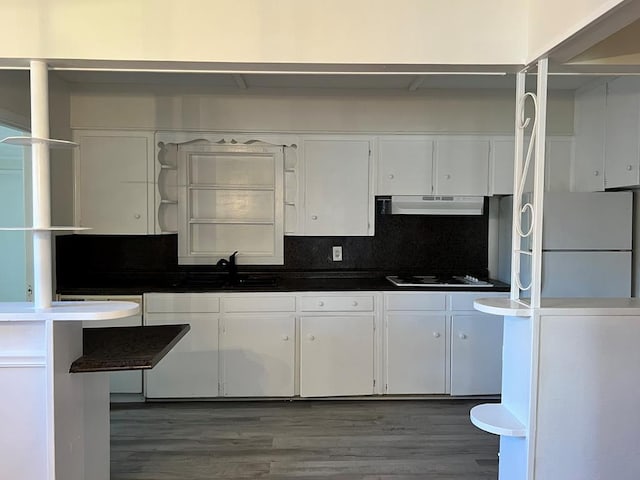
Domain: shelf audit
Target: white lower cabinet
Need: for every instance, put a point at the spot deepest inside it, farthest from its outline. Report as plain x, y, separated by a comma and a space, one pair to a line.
190, 369
415, 353
476, 354
258, 355
325, 345
336, 355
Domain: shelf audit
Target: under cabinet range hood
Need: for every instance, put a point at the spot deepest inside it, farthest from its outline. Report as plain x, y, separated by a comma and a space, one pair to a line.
436, 205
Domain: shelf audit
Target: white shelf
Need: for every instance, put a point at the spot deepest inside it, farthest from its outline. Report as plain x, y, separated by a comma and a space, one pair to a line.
67, 311
44, 229
28, 141
496, 418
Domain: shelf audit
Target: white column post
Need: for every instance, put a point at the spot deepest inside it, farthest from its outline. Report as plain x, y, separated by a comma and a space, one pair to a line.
518, 173
538, 186
40, 185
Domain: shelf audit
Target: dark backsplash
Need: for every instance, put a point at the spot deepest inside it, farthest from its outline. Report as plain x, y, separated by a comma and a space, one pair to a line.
402, 244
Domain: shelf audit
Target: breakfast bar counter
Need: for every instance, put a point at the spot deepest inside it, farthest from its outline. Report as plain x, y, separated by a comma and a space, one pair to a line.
568, 404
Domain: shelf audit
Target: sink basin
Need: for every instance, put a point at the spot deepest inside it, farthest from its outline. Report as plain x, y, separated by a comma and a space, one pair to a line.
216, 281
253, 281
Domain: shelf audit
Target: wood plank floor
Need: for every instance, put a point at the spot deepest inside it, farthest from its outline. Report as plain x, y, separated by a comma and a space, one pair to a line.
367, 440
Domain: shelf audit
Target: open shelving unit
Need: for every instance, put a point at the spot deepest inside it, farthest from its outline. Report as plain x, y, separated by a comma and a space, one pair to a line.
228, 197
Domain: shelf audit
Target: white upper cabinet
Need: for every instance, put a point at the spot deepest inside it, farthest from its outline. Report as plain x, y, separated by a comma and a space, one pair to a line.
337, 186
622, 125
405, 166
589, 117
558, 160
461, 166
230, 198
114, 181
431, 165
502, 162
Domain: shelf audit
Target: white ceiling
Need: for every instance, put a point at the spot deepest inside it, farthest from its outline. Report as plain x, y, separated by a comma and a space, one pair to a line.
261, 81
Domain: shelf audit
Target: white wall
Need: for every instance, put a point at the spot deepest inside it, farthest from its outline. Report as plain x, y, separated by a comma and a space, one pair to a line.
453, 111
15, 110
550, 22
267, 31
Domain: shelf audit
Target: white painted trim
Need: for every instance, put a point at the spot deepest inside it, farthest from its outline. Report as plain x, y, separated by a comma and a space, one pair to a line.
9, 360
14, 120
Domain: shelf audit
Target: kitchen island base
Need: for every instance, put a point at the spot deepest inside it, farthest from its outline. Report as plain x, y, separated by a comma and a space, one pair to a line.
55, 425
568, 401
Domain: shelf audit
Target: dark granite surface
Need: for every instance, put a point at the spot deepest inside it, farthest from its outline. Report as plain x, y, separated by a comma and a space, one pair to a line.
126, 348
303, 282
402, 245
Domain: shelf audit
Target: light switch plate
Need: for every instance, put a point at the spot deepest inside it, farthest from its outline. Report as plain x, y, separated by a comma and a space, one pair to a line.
337, 254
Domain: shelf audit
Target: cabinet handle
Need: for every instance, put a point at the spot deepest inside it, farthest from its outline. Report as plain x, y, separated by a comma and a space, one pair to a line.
391, 176
137, 216
314, 217
596, 173
436, 334
462, 336
285, 337
629, 168
321, 303
311, 337
447, 177
355, 304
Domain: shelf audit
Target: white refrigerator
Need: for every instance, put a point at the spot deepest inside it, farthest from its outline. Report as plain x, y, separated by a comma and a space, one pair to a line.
586, 244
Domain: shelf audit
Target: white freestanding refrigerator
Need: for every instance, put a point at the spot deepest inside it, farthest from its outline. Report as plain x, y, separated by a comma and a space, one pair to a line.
586, 244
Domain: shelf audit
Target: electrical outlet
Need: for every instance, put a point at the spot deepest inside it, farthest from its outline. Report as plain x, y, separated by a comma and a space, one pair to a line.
337, 254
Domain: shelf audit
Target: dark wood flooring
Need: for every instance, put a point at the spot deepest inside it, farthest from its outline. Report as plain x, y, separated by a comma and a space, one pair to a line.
365, 440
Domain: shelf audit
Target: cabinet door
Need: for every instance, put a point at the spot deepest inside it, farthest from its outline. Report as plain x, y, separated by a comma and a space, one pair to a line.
336, 356
338, 200
190, 369
114, 174
476, 354
416, 350
405, 166
588, 165
462, 167
257, 356
502, 163
559, 156
621, 132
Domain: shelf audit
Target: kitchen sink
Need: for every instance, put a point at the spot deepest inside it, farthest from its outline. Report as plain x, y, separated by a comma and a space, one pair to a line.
217, 281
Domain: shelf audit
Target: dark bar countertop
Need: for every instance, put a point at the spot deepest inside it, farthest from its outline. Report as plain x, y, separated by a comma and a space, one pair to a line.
126, 348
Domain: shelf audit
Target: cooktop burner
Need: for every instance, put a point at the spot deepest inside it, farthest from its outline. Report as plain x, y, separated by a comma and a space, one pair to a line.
436, 281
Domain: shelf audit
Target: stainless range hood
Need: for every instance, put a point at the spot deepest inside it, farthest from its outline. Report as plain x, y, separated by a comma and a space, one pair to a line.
436, 205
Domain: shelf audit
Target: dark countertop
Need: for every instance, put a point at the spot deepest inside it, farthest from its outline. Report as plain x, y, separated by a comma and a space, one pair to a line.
126, 348
124, 284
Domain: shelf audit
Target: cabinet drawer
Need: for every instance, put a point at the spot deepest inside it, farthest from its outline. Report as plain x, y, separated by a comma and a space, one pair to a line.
464, 301
348, 303
256, 303
417, 301
181, 302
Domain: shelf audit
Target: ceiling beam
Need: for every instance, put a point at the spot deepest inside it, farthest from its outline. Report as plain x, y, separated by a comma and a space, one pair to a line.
605, 26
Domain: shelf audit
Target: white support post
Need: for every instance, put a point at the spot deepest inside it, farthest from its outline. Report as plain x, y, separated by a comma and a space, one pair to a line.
518, 173
538, 187
40, 185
